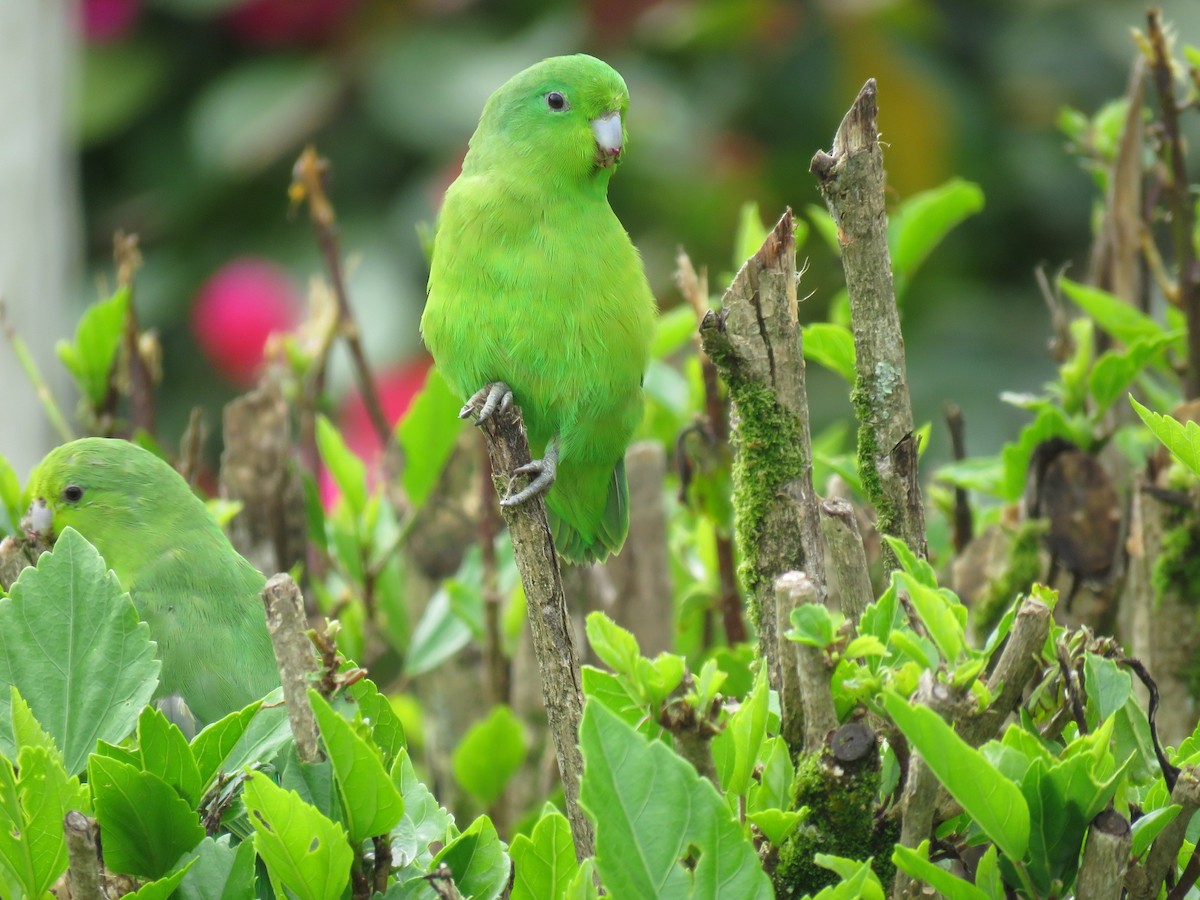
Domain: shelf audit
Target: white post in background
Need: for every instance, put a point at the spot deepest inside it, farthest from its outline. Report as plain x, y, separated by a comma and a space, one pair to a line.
38, 210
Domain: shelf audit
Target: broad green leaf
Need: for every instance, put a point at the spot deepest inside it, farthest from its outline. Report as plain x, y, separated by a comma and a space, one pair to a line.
612, 691
424, 821
940, 615
427, 433
1115, 370
674, 328
995, 803
774, 787
1125, 322
1108, 687
583, 885
853, 871
313, 781
146, 825
90, 356
372, 804
440, 633
253, 735
544, 861
10, 499
976, 473
735, 750
32, 808
162, 888
777, 824
640, 844
219, 872
27, 730
813, 624
165, 752
923, 221
489, 754
823, 224
617, 648
302, 849
478, 861
987, 874
1148, 827
832, 346
1050, 422
348, 471
387, 731
917, 865
75, 649
1181, 438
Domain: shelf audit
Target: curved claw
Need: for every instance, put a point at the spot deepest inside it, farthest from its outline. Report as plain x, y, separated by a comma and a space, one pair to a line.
489, 399
545, 471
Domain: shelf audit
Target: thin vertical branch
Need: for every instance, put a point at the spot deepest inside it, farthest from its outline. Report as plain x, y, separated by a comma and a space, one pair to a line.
806, 698
1179, 196
141, 379
848, 558
293, 654
84, 872
963, 525
852, 181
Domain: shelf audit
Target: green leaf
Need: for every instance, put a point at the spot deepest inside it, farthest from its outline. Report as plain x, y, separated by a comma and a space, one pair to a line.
942, 616
544, 861
1123, 321
220, 872
10, 499
254, 112
387, 731
857, 875
774, 787
441, 632
832, 346
75, 649
1149, 826
489, 754
994, 802
751, 232
303, 850
1115, 370
823, 224
314, 782
427, 434
735, 750
674, 328
146, 825
90, 356
923, 221
777, 824
1181, 438
613, 692
347, 470
424, 821
252, 735
165, 752
583, 885
917, 865
370, 801
813, 624
650, 807
162, 888
616, 648
987, 874
32, 808
27, 730
478, 861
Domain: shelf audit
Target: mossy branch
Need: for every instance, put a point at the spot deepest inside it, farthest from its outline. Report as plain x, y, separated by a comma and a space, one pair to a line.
287, 626
806, 697
850, 573
755, 343
549, 621
852, 181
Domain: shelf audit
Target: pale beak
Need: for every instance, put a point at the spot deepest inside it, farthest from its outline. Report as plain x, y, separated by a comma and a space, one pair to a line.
39, 519
607, 130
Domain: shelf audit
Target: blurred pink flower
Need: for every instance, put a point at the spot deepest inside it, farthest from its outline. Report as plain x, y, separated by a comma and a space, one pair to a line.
109, 20
397, 387
274, 22
235, 312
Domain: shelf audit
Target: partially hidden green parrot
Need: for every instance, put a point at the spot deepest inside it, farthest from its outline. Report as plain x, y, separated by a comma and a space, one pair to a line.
197, 594
537, 296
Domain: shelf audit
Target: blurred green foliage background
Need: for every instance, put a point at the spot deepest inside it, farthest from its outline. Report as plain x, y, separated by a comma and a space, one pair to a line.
192, 112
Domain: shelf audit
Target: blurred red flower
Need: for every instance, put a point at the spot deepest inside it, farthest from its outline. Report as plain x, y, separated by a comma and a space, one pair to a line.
274, 22
235, 312
109, 20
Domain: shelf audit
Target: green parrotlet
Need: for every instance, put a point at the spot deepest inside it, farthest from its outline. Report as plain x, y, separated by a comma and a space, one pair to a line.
197, 594
537, 295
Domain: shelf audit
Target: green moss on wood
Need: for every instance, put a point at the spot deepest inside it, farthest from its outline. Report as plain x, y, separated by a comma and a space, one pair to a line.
1023, 568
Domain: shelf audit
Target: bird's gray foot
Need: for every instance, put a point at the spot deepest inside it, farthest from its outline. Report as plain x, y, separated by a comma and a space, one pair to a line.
489, 399
544, 470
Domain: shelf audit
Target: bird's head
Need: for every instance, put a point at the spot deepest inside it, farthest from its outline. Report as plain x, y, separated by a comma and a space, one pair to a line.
109, 490
563, 118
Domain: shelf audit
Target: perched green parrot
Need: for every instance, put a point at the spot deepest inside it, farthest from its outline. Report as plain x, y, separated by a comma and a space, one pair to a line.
197, 594
537, 295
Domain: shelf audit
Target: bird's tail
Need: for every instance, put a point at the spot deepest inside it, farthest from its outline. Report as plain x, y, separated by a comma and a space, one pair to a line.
589, 510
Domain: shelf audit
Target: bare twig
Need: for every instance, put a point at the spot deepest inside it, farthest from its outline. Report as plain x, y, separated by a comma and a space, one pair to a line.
294, 656
694, 287
549, 620
755, 342
83, 851
308, 183
1179, 196
128, 258
805, 698
963, 524
851, 179
848, 557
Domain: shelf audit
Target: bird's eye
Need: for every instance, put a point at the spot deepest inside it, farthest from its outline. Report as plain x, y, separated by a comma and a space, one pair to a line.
556, 101
72, 493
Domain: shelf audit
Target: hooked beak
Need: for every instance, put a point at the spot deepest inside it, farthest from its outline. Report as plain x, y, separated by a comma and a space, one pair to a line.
607, 130
39, 520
